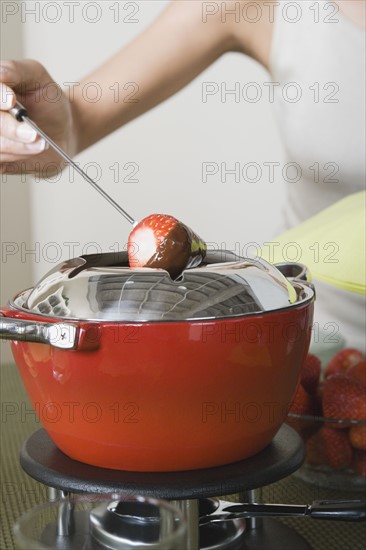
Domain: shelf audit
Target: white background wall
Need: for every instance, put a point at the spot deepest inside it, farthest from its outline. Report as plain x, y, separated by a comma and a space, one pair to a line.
169, 145
15, 222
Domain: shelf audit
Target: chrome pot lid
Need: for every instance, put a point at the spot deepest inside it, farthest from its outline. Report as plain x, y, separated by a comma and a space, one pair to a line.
102, 287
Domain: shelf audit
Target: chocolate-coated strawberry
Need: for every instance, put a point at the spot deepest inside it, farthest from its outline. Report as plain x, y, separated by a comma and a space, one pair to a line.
162, 241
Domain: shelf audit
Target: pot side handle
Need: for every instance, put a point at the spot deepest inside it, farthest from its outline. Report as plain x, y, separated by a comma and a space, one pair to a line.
67, 336
58, 335
294, 271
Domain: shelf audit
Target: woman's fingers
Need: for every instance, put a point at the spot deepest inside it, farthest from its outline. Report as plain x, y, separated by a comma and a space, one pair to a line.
17, 138
24, 76
22, 149
7, 97
12, 129
10, 149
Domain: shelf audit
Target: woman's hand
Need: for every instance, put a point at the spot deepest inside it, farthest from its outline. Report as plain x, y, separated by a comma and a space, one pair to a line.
22, 150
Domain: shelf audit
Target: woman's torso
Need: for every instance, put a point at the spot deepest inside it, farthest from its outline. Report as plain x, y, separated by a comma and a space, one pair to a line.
317, 65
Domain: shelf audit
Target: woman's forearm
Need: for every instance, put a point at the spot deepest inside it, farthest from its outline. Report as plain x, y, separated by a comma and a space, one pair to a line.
158, 63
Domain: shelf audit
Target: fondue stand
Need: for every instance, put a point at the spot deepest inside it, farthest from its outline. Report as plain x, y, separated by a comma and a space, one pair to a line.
189, 491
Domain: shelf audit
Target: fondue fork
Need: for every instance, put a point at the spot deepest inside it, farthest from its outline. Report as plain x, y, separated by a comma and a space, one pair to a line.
20, 113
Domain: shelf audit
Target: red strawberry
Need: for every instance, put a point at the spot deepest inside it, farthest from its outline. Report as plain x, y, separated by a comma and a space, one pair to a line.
164, 242
314, 450
337, 448
358, 372
317, 398
310, 373
357, 436
343, 397
359, 462
330, 447
342, 361
301, 403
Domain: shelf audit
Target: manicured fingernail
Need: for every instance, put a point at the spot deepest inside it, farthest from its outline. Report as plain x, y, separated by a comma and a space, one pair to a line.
38, 146
25, 133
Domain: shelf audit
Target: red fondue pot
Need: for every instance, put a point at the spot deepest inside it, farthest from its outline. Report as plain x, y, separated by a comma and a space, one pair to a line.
131, 370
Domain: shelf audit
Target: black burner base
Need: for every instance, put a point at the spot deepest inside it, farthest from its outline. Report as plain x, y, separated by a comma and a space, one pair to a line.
43, 461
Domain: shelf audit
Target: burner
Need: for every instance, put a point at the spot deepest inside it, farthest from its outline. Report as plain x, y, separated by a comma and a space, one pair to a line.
90, 529
189, 491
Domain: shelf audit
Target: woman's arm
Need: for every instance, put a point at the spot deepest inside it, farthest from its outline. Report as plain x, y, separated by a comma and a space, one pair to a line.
169, 54
186, 38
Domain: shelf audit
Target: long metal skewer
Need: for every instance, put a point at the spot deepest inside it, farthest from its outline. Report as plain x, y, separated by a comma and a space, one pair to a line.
20, 113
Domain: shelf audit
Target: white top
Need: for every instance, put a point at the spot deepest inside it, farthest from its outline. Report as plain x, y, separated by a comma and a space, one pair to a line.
318, 59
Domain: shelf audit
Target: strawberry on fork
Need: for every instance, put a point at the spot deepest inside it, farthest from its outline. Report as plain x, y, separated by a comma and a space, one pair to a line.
162, 241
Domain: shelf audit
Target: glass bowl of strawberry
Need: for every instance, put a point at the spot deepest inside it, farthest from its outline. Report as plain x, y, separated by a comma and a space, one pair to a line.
329, 412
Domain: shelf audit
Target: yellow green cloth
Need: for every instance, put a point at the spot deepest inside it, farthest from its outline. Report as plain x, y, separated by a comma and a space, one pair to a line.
331, 244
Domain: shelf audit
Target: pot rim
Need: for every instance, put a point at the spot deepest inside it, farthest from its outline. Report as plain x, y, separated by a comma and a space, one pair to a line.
300, 286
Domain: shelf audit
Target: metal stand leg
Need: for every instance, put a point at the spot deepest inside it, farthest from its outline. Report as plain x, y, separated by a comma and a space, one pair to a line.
53, 495
251, 496
190, 511
65, 516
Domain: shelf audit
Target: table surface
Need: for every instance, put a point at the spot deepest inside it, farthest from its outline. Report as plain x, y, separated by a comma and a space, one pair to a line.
19, 492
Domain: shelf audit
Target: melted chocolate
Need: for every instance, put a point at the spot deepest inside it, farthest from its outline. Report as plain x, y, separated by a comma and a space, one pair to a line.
180, 250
